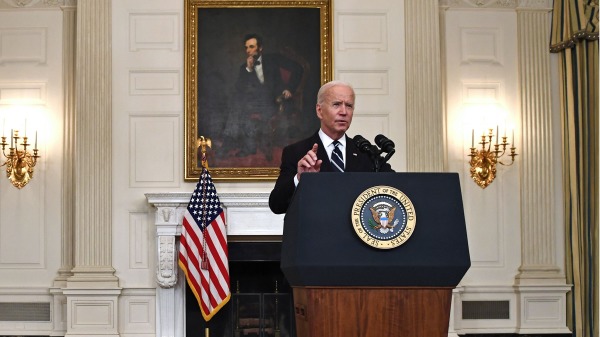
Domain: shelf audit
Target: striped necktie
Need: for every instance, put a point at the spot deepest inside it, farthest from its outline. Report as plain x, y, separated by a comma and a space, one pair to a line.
336, 157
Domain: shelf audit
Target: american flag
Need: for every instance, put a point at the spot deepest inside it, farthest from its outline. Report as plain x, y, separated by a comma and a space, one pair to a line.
203, 252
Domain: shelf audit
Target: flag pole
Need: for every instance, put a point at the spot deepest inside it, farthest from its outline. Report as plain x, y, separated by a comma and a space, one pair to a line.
202, 144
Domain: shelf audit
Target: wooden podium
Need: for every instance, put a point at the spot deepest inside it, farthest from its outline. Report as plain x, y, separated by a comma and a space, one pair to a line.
344, 287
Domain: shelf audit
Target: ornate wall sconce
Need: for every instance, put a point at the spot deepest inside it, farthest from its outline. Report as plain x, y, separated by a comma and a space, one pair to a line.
19, 163
483, 161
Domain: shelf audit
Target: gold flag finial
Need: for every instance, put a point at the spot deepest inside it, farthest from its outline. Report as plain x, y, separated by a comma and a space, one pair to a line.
202, 143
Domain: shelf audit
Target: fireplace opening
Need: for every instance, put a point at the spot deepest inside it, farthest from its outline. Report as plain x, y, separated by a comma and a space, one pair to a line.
261, 303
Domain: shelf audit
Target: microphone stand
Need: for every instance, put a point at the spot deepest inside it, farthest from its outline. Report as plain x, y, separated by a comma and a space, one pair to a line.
377, 162
377, 159
375, 154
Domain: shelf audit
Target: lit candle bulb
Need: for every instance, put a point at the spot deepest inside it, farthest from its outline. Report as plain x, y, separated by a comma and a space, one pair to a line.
497, 134
35, 147
472, 137
513, 138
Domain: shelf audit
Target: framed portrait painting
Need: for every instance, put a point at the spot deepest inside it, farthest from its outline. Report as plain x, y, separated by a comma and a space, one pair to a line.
252, 73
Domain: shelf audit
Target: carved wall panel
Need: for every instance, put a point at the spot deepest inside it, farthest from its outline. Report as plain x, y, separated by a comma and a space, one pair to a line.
154, 159
149, 30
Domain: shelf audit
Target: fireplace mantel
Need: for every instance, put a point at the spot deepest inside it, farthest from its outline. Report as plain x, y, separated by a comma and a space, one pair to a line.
248, 217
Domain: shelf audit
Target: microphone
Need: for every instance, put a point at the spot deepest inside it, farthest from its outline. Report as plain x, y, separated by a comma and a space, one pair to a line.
372, 150
384, 143
363, 144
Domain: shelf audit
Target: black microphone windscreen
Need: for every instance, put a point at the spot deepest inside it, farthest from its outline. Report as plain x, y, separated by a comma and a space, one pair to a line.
362, 144
384, 143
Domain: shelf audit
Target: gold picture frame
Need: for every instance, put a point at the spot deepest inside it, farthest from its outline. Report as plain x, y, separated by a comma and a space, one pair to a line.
299, 34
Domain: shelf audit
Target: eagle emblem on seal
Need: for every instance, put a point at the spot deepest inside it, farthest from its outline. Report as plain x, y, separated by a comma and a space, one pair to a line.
383, 215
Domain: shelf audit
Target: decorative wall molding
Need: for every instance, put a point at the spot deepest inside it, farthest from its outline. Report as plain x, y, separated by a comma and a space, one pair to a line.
166, 274
481, 44
154, 82
23, 92
36, 3
139, 232
92, 311
145, 148
375, 123
27, 44
138, 306
154, 30
366, 81
247, 214
498, 4
482, 92
372, 33
542, 309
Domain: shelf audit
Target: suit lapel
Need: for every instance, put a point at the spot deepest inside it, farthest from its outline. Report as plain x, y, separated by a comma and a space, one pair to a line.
352, 162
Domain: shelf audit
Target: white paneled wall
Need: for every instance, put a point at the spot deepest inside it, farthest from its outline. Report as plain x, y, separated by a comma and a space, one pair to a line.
30, 218
369, 54
30, 90
482, 71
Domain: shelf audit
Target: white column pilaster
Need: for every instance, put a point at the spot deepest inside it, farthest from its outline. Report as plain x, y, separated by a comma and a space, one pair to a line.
93, 145
68, 212
69, 10
93, 289
540, 282
425, 130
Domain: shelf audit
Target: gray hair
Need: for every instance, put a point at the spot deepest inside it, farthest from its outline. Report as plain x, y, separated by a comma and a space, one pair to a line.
323, 90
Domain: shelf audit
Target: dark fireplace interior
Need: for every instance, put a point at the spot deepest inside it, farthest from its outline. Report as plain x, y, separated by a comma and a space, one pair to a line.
261, 303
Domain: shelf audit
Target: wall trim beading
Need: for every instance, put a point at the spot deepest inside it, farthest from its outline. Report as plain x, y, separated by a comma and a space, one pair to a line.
497, 4
36, 4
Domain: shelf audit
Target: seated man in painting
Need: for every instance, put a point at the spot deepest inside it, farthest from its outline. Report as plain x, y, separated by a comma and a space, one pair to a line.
265, 89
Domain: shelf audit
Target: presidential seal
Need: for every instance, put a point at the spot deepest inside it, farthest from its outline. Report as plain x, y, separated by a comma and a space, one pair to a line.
383, 217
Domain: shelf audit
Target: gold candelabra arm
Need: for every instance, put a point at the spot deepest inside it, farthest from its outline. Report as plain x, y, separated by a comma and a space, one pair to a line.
497, 151
512, 156
4, 143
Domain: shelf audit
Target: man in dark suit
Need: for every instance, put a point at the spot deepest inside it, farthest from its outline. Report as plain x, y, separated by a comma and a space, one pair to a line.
260, 91
335, 107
